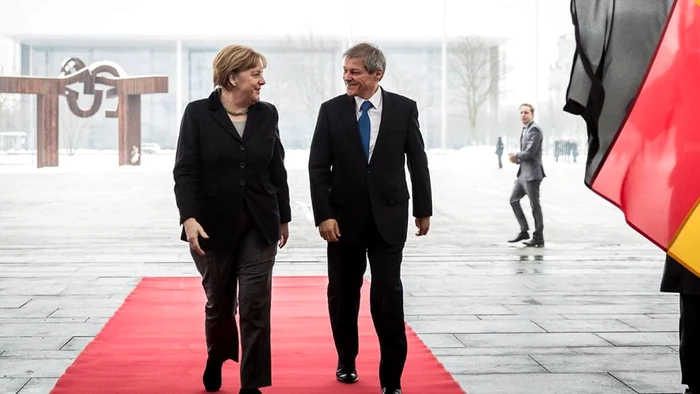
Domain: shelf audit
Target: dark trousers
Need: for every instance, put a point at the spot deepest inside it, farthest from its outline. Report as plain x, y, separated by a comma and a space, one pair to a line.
346, 265
689, 331
532, 190
248, 266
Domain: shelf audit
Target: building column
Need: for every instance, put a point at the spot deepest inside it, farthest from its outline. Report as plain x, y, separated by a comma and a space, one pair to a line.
178, 87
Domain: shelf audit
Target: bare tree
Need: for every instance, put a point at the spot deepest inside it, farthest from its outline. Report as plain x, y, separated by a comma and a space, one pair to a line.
312, 71
8, 107
310, 63
71, 129
409, 86
479, 74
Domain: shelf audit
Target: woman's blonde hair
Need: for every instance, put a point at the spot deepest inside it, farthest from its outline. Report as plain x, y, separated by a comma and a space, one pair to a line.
233, 59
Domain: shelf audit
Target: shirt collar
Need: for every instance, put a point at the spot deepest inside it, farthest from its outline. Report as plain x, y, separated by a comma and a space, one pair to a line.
376, 100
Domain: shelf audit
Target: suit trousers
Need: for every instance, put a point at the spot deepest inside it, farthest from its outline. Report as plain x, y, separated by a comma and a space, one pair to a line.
247, 265
532, 190
347, 263
689, 332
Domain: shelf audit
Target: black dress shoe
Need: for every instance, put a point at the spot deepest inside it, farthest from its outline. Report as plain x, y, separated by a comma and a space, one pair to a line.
535, 243
250, 391
523, 235
212, 375
391, 391
346, 375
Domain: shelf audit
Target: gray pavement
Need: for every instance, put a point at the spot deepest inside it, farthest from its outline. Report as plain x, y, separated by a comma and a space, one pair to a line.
583, 315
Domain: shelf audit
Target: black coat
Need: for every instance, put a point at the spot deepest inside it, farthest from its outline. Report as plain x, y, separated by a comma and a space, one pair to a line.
678, 279
344, 185
217, 172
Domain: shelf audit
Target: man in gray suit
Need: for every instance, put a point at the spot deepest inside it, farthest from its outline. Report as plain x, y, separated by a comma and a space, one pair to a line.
530, 175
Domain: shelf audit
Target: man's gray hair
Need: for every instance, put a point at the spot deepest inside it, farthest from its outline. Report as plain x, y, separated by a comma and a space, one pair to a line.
373, 56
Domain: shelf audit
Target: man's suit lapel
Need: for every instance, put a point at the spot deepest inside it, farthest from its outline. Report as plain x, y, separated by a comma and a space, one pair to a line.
221, 117
388, 112
523, 136
349, 118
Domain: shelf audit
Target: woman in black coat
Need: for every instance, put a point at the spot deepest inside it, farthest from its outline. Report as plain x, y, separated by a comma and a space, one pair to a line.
232, 194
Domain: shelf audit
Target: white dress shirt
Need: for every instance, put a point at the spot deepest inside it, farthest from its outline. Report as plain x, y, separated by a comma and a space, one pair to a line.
375, 116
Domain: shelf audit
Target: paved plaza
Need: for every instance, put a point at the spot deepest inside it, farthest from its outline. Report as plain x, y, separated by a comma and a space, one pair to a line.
583, 315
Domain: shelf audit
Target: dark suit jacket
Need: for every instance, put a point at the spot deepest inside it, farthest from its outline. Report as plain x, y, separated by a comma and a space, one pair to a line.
530, 155
678, 279
345, 186
217, 172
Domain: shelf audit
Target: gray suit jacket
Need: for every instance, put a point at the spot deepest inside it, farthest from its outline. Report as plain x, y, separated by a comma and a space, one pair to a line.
530, 155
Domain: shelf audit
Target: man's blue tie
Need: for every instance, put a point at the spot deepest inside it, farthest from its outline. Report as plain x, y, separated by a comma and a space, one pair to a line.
365, 126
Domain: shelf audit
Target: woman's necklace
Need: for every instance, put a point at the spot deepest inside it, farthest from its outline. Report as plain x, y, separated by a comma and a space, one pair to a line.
231, 112
234, 113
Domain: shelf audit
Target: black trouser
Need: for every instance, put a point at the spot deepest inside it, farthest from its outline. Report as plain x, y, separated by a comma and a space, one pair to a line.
689, 331
346, 266
247, 264
532, 190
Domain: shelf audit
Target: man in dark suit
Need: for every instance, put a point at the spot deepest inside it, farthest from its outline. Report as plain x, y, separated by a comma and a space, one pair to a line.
360, 201
678, 279
530, 175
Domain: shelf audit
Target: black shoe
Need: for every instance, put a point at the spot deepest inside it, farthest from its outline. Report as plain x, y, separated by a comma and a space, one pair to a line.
391, 391
212, 375
346, 375
523, 235
250, 391
535, 243
689, 391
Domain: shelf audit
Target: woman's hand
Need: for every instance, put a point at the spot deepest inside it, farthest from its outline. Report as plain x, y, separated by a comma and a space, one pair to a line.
284, 234
194, 230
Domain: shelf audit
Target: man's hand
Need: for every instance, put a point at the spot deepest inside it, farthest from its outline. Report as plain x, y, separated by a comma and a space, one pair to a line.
284, 234
194, 230
512, 157
423, 225
329, 230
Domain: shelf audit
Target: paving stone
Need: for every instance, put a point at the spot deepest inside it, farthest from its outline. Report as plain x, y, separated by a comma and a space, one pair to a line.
11, 385
621, 350
29, 368
641, 338
652, 382
468, 326
583, 363
33, 343
668, 325
77, 343
598, 325
531, 383
40, 354
504, 364
38, 386
13, 302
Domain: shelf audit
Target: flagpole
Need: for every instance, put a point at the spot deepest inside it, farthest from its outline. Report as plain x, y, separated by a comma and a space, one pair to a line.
443, 84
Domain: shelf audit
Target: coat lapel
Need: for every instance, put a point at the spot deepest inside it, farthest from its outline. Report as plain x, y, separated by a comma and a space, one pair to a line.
219, 114
388, 112
523, 136
349, 119
253, 117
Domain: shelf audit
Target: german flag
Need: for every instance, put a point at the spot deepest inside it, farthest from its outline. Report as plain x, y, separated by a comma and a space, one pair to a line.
636, 83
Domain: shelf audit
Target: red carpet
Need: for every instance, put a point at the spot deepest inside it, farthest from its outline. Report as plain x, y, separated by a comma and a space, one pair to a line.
155, 344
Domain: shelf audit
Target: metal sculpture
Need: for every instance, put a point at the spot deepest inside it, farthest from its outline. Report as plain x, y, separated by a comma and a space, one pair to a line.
127, 89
